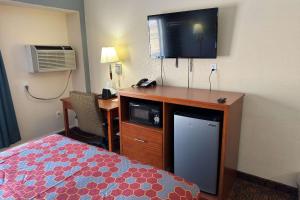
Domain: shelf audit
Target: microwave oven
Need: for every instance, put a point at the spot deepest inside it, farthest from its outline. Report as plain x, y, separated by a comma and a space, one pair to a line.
144, 113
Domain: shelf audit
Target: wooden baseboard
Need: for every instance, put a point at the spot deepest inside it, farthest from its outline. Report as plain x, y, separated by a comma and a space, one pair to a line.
268, 183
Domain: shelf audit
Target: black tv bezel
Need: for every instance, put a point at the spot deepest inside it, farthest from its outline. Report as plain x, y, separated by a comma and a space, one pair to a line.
163, 57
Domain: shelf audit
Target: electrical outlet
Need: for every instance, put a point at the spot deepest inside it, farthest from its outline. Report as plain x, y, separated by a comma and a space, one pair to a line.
25, 84
213, 66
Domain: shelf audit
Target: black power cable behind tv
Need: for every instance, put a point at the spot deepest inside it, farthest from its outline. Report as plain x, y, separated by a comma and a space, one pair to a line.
189, 34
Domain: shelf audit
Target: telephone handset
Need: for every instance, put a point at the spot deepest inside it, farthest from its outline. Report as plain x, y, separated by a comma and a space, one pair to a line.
145, 83
139, 84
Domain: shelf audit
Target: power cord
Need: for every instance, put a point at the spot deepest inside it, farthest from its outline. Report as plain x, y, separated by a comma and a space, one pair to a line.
52, 98
161, 70
191, 64
211, 72
164, 74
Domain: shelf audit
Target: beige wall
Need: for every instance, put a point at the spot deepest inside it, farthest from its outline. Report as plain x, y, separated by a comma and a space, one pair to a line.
24, 25
259, 48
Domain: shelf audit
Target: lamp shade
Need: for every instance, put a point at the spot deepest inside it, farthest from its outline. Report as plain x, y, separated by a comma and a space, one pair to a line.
109, 55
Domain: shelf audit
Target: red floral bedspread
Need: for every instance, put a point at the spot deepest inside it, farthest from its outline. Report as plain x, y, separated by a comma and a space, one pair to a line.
56, 167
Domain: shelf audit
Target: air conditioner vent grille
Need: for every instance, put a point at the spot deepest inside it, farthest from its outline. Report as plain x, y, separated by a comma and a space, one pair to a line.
50, 58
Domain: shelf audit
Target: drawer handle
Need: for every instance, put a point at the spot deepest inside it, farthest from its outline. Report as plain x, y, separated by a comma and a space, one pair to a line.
139, 140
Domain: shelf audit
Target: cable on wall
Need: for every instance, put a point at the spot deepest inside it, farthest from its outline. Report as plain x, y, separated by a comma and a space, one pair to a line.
209, 79
191, 64
119, 81
164, 73
161, 70
52, 98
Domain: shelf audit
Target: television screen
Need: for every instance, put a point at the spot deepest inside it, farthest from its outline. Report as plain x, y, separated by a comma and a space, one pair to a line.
190, 34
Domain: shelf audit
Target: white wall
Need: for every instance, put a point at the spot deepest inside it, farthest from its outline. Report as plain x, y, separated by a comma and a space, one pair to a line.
259, 48
25, 25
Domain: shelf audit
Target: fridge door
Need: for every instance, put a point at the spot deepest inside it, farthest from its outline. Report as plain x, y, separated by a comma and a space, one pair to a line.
196, 151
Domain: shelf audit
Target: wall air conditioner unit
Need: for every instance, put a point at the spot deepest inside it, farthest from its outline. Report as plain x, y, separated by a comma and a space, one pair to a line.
50, 58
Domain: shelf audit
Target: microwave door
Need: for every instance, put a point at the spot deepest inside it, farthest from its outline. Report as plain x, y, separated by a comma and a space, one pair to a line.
140, 114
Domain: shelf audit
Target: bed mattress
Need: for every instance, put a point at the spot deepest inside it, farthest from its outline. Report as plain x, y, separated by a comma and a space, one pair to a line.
56, 167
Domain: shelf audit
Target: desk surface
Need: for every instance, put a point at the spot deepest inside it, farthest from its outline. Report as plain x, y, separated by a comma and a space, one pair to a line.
179, 94
109, 104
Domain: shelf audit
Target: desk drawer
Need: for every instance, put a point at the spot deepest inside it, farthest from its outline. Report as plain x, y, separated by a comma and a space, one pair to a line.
142, 144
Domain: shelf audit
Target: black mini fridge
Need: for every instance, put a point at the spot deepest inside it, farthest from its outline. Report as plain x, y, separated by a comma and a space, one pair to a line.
196, 149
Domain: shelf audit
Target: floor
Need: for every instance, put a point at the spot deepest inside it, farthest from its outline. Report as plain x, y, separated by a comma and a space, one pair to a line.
245, 190
242, 189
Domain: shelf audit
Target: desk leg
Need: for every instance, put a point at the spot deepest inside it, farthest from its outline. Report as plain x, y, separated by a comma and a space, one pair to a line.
66, 120
110, 130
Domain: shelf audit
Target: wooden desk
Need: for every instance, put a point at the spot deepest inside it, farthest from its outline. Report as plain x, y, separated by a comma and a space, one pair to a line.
109, 106
153, 145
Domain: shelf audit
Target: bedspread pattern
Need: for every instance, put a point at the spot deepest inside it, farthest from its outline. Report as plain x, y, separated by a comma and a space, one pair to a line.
56, 167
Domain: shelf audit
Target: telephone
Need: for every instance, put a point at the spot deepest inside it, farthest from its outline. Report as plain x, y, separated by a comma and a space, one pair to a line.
145, 83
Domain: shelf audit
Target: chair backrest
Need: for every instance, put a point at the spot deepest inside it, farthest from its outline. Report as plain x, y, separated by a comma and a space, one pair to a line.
89, 115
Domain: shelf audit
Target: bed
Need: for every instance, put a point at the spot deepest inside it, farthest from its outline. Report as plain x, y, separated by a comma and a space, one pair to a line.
56, 167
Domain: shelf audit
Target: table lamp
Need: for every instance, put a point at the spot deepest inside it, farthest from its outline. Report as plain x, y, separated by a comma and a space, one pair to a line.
109, 55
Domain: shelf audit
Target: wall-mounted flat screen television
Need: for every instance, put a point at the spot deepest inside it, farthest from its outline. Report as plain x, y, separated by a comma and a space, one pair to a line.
189, 34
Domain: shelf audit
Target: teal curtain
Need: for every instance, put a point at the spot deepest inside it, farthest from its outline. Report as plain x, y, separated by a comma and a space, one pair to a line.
9, 130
